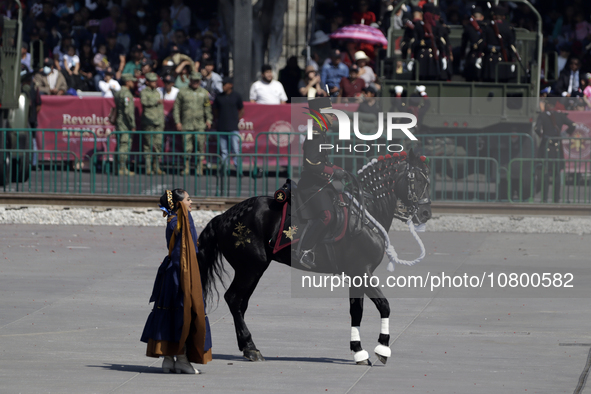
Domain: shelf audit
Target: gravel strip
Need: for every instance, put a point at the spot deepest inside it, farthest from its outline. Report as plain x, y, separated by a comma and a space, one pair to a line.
153, 217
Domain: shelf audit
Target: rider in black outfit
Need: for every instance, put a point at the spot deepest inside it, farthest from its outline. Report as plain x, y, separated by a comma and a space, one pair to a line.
549, 127
315, 187
499, 49
474, 37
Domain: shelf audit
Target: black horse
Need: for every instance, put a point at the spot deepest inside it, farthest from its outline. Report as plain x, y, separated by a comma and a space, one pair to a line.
393, 188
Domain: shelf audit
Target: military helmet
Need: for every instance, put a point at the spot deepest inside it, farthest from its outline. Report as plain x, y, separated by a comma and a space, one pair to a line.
128, 77
152, 77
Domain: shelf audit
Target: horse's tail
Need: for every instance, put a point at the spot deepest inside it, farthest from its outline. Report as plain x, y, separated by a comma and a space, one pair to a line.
211, 265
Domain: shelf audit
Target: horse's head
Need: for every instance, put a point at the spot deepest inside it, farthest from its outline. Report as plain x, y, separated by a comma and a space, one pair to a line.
412, 188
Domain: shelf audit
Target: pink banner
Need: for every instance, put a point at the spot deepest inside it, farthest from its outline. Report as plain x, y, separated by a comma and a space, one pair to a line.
74, 117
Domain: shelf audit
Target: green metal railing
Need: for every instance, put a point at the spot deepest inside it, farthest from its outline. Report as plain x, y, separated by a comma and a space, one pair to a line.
483, 167
57, 174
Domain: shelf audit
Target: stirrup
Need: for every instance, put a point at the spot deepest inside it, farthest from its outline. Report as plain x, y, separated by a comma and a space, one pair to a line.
308, 264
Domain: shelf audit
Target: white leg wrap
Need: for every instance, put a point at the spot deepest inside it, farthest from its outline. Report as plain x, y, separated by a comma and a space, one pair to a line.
385, 326
383, 351
355, 334
361, 356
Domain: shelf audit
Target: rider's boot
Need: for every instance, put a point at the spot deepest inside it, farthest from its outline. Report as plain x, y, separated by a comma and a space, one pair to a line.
317, 229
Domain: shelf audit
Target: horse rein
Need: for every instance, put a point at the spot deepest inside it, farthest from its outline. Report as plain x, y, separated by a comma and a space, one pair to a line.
416, 200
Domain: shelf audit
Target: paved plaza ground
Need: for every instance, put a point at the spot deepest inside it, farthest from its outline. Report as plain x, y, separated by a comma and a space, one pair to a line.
75, 300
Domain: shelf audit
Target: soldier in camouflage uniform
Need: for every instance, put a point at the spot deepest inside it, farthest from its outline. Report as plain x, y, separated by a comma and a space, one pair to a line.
192, 112
125, 120
152, 120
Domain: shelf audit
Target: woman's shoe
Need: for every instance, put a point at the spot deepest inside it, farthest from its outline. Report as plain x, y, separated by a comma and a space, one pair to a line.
182, 365
168, 364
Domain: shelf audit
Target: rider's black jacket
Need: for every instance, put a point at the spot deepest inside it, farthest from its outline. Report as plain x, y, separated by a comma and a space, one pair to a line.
314, 187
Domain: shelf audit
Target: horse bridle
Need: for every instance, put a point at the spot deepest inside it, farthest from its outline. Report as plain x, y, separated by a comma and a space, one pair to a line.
404, 212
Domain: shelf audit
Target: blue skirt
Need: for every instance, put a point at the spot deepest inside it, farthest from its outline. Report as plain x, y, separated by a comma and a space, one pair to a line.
165, 322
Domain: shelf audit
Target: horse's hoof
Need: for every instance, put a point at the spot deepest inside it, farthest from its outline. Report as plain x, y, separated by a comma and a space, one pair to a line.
253, 355
383, 352
362, 358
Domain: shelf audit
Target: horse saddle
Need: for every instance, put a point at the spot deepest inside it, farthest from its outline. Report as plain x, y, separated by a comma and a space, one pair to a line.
292, 225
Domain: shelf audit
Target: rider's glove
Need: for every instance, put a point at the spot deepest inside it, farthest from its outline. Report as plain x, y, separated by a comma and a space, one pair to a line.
478, 63
339, 174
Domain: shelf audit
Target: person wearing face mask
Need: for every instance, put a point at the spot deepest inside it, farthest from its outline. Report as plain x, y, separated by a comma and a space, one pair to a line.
50, 81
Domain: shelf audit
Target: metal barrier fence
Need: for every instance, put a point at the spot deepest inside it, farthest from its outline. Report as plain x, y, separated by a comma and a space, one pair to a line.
483, 167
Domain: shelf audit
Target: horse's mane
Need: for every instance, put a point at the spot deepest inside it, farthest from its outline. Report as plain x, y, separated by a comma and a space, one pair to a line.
378, 177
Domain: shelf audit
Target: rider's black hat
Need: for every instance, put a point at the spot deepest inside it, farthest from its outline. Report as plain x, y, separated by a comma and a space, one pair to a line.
319, 103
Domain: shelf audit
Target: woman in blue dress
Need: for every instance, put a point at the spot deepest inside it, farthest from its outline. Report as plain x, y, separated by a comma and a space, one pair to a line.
178, 326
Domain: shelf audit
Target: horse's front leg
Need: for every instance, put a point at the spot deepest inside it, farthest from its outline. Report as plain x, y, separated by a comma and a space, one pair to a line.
237, 297
361, 356
383, 350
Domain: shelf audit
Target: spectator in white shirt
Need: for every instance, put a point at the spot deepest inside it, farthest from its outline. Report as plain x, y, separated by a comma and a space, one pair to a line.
71, 67
109, 85
267, 91
71, 61
169, 91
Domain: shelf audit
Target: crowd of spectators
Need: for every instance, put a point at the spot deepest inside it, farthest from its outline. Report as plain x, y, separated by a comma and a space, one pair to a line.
566, 28
91, 43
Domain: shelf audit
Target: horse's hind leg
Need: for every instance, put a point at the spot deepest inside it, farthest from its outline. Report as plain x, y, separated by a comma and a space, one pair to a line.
237, 297
361, 356
382, 351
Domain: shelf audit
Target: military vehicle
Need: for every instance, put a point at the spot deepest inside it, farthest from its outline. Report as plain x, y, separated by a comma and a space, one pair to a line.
487, 109
14, 105
516, 103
